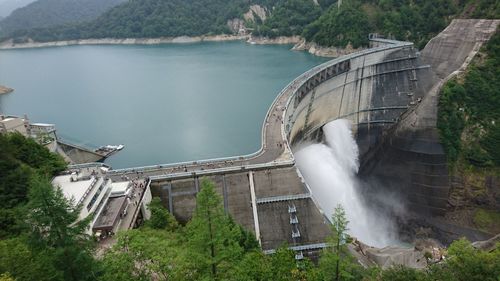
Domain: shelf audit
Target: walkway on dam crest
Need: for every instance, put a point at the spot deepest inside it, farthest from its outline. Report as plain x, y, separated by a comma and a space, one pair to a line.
275, 150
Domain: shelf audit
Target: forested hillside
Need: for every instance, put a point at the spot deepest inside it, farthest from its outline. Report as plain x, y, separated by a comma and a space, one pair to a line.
320, 21
42, 239
47, 13
153, 18
469, 116
469, 122
416, 21
7, 6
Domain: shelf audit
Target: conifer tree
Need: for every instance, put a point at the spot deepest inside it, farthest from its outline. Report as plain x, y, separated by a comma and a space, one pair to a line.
57, 231
212, 239
336, 263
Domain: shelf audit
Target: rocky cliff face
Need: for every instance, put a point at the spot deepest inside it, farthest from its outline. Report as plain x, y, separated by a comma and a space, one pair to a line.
126, 41
411, 157
256, 12
237, 26
321, 51
5, 90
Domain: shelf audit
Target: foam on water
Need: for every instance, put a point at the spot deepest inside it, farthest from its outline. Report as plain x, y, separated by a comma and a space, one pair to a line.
330, 171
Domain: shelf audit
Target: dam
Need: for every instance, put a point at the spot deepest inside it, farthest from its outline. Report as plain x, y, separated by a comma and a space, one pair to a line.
388, 92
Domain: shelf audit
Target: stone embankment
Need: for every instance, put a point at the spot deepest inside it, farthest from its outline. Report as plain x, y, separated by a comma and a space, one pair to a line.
10, 44
274, 41
299, 43
317, 50
5, 90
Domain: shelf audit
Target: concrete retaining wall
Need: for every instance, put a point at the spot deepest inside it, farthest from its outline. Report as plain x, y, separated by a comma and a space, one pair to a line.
371, 89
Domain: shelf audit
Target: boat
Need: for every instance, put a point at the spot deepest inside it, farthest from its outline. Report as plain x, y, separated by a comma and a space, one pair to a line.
110, 148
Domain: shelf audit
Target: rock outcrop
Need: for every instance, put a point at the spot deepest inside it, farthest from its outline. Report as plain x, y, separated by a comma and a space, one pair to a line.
487, 245
276, 40
10, 44
255, 11
5, 90
237, 26
321, 51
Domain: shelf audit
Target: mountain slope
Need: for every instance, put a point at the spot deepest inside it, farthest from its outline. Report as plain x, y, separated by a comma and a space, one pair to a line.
155, 18
47, 13
319, 21
7, 6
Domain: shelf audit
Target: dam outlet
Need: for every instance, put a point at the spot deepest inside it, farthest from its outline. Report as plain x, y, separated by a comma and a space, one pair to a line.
330, 170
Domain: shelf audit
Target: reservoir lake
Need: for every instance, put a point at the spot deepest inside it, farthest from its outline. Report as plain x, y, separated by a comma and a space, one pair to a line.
165, 103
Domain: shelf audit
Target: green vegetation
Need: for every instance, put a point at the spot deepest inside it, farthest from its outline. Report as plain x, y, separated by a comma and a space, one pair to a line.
21, 160
323, 23
150, 18
340, 27
487, 220
47, 13
51, 244
415, 21
480, 9
468, 118
289, 17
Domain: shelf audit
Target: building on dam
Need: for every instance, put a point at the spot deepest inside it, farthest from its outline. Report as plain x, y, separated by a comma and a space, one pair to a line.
389, 93
114, 205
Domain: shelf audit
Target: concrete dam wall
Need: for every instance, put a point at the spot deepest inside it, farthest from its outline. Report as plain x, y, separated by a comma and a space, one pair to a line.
388, 92
411, 159
372, 89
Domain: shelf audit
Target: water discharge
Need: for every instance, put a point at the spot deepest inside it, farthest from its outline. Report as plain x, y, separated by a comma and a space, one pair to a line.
330, 170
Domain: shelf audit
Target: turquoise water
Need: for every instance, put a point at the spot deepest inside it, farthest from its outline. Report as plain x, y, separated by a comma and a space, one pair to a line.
165, 103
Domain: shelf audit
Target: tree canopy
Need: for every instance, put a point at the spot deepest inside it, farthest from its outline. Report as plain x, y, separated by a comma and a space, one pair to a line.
48, 13
51, 243
318, 21
468, 117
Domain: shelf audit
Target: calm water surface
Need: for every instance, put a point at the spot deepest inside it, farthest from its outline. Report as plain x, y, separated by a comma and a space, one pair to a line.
166, 103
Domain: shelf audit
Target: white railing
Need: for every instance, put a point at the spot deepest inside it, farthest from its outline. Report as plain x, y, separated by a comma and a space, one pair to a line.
290, 90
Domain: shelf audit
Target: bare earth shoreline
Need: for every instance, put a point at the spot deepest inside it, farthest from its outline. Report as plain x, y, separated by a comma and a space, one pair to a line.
299, 43
5, 90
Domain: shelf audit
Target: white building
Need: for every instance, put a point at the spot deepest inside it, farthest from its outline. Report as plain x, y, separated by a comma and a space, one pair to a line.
114, 205
14, 124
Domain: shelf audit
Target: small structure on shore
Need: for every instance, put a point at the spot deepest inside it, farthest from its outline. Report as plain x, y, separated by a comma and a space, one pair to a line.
114, 205
5, 90
45, 134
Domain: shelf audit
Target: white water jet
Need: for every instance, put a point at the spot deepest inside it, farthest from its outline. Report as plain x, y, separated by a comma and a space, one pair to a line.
330, 171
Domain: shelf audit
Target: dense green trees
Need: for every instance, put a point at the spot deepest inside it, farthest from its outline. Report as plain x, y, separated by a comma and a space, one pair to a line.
47, 13
160, 217
336, 263
146, 254
150, 18
339, 27
20, 160
213, 239
288, 17
319, 21
42, 239
51, 243
415, 21
468, 118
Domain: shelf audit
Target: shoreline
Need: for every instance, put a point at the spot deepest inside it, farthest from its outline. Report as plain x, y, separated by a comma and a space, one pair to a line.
299, 43
10, 45
5, 90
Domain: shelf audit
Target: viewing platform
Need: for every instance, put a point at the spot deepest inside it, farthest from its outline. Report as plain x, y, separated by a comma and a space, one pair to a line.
376, 89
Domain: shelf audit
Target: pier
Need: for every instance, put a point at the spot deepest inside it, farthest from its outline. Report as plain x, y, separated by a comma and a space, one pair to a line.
375, 89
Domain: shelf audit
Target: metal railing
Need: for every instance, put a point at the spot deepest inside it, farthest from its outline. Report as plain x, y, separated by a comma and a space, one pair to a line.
316, 246
289, 90
229, 169
283, 198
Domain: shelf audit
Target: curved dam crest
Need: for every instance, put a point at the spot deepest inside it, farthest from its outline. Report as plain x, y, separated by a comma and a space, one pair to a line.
167, 103
389, 93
